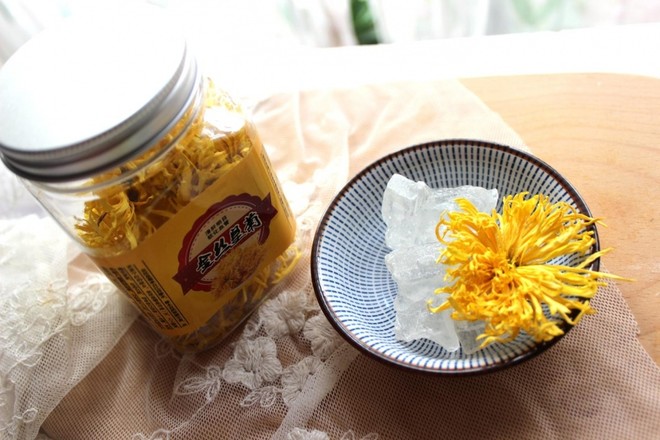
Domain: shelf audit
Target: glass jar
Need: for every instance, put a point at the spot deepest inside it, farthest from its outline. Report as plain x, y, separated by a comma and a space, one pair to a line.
158, 174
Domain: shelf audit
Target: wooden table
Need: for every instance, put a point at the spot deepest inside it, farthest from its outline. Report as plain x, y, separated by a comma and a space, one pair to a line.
602, 131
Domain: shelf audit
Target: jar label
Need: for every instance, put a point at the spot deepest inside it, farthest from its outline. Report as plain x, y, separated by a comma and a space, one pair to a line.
232, 232
196, 263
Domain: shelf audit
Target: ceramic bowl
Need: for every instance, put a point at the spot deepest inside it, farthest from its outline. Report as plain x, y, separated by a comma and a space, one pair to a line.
352, 283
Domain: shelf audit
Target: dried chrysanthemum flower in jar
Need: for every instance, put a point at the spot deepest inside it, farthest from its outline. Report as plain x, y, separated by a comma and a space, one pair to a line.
126, 215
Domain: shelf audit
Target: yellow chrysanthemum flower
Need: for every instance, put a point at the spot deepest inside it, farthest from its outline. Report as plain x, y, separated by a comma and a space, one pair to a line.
502, 271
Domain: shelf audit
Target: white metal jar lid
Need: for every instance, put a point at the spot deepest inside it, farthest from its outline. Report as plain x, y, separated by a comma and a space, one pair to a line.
90, 93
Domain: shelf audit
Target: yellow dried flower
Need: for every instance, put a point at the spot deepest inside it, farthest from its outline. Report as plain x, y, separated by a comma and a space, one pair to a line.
123, 215
502, 271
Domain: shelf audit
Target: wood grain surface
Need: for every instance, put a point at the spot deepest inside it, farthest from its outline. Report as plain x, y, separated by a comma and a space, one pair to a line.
602, 132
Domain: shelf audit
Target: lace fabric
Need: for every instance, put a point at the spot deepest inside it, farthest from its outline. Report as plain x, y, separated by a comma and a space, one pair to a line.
50, 299
286, 373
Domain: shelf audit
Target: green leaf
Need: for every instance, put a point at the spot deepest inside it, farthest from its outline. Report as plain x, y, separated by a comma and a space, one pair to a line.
535, 15
363, 22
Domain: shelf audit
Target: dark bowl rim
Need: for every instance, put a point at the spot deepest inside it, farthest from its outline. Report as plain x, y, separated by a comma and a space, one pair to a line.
363, 348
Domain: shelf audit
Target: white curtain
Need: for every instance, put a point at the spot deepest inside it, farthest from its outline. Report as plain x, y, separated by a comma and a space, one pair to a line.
329, 22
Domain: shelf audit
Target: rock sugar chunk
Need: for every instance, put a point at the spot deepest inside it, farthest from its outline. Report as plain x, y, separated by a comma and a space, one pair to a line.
414, 321
416, 270
417, 274
411, 210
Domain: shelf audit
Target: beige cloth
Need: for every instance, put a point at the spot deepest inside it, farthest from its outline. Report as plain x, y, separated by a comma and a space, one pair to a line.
285, 374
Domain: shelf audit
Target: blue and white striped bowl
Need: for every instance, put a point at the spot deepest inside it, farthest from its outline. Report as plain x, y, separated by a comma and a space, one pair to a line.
352, 283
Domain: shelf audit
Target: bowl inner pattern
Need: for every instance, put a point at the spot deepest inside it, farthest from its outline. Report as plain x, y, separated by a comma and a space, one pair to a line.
353, 284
